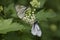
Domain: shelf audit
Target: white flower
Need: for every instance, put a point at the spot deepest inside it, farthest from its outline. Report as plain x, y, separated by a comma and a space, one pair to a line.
33, 12
35, 3
34, 9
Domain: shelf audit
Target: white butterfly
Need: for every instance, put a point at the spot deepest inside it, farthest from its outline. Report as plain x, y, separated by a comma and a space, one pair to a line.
20, 11
36, 30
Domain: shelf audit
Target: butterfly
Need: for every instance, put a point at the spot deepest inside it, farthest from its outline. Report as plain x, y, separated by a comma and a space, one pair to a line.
20, 11
36, 30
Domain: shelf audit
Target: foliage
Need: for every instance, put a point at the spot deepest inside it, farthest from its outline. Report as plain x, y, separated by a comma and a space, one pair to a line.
13, 28
45, 14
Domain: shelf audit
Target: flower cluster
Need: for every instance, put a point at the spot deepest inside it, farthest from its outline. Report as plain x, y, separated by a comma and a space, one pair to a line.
1, 8
29, 13
29, 16
35, 3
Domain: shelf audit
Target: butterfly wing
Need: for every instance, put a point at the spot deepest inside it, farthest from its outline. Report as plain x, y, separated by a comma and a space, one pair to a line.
36, 30
20, 11
33, 30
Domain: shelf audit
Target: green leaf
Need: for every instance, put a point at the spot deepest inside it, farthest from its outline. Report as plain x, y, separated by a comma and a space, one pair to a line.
7, 26
42, 2
43, 15
10, 10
